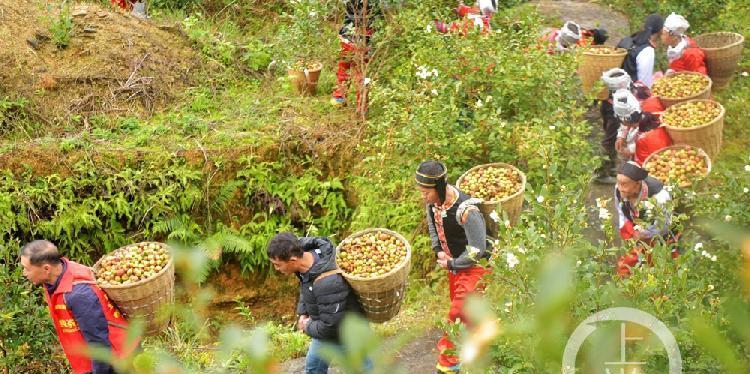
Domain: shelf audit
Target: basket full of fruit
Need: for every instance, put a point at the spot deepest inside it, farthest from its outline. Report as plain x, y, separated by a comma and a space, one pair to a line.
497, 184
376, 263
597, 59
699, 123
682, 86
139, 279
680, 165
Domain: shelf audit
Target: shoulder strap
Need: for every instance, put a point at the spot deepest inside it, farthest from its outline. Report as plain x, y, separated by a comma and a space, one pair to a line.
327, 273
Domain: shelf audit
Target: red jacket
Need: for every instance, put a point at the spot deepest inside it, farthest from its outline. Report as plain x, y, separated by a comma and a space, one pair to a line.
70, 335
692, 59
650, 142
652, 105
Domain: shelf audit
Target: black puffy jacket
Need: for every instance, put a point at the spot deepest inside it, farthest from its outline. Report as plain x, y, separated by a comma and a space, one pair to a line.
327, 300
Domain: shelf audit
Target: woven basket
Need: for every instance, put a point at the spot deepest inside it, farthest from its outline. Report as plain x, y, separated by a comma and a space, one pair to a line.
704, 94
681, 146
592, 66
512, 204
723, 51
707, 136
145, 298
381, 296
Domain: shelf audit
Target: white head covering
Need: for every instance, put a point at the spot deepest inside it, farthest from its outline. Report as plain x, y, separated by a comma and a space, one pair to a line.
488, 6
676, 24
620, 81
567, 37
625, 103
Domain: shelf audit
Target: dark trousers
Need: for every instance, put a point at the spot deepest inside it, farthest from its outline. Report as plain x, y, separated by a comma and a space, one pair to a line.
610, 125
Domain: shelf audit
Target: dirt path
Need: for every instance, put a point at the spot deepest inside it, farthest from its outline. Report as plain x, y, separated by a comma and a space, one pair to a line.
588, 15
417, 357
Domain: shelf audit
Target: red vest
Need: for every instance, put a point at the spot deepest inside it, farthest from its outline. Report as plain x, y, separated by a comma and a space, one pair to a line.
650, 142
70, 335
692, 59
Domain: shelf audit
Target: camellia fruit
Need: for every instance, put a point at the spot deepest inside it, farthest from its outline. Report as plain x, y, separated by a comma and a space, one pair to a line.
677, 166
132, 264
492, 183
602, 51
691, 114
680, 85
371, 255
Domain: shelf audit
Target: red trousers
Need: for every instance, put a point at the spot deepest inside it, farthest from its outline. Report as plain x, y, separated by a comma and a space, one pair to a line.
462, 283
634, 258
346, 63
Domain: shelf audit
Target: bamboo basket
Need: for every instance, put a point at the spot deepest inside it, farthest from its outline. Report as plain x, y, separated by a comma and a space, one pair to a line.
305, 81
593, 65
511, 205
704, 94
681, 146
723, 51
707, 136
381, 296
144, 299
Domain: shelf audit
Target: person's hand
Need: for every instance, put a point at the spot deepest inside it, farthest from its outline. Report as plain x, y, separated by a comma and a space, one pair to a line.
619, 143
625, 152
302, 322
442, 260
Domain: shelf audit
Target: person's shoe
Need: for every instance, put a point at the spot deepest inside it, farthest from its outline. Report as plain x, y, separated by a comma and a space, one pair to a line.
338, 101
440, 369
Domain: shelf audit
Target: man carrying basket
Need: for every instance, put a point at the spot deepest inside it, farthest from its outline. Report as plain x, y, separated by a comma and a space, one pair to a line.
325, 296
459, 239
82, 314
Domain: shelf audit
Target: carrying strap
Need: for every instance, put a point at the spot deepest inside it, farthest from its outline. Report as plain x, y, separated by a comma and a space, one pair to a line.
327, 273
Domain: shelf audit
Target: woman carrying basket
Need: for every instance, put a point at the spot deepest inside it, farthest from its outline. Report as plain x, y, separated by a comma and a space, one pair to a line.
459, 239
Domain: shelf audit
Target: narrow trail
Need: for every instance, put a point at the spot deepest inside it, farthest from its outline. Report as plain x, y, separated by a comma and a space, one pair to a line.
419, 356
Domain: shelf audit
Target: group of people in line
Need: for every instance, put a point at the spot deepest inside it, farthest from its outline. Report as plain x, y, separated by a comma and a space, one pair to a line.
84, 316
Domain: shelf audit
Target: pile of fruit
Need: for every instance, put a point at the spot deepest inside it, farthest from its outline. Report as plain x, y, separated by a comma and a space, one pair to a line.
133, 263
603, 51
371, 255
677, 166
680, 85
691, 114
492, 183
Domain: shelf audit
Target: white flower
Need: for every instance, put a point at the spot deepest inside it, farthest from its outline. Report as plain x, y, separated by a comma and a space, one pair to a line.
705, 254
713, 258
744, 74
579, 262
435, 72
434, 92
521, 249
746, 190
488, 98
710, 287
367, 81
716, 196
428, 29
747, 168
727, 218
540, 199
479, 103
604, 214
423, 72
313, 14
552, 127
507, 223
509, 304
512, 260
543, 236
495, 217
698, 246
